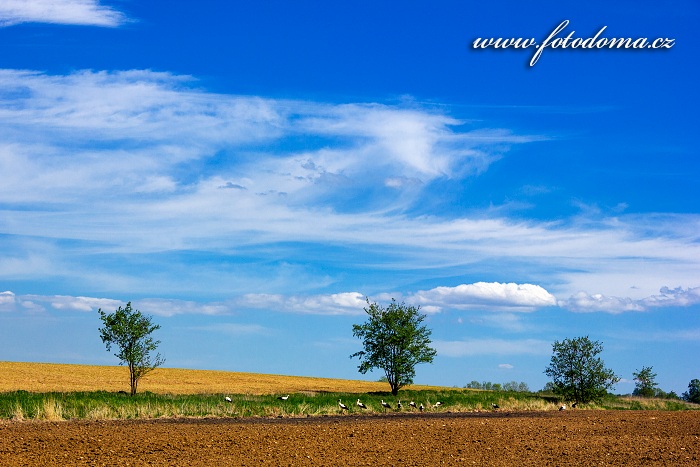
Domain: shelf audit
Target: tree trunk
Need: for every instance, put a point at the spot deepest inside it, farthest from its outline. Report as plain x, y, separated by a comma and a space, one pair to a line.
132, 379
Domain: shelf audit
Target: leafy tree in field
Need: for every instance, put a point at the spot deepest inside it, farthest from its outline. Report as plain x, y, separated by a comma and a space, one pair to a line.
394, 340
130, 331
516, 387
693, 393
577, 374
645, 382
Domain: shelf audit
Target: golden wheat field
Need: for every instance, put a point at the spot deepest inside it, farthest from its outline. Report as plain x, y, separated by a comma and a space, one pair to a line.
48, 377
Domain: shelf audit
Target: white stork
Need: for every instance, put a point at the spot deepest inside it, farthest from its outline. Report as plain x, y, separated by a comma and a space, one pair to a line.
398, 406
283, 398
421, 408
385, 405
412, 404
495, 406
227, 399
360, 404
341, 405
562, 407
437, 404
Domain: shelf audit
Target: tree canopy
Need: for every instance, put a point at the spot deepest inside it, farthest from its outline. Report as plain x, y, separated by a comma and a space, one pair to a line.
645, 382
693, 392
578, 375
130, 332
394, 340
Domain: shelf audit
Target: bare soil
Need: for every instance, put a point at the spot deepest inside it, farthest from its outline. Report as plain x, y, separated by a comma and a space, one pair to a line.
572, 437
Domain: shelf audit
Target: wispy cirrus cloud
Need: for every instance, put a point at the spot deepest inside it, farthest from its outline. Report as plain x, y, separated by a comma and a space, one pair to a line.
70, 12
346, 303
88, 154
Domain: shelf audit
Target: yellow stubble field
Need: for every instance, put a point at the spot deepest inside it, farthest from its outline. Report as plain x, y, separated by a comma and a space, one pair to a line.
48, 377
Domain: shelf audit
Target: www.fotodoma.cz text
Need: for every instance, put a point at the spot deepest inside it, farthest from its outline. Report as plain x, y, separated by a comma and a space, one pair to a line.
557, 40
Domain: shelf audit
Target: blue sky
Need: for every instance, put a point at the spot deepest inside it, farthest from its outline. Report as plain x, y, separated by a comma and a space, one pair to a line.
248, 172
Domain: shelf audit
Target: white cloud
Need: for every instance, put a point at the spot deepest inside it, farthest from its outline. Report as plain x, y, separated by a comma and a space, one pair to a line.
62, 302
37, 303
74, 12
353, 304
506, 366
7, 301
171, 307
679, 297
598, 302
347, 303
88, 154
493, 295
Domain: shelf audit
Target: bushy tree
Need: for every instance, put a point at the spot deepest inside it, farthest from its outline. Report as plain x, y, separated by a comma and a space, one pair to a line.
516, 387
473, 385
394, 340
577, 374
693, 393
130, 331
645, 382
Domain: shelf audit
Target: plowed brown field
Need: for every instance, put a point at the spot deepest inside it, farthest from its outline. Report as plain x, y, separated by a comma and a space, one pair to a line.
573, 437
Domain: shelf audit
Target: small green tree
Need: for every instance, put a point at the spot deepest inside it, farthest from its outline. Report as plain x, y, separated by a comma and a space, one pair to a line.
577, 374
395, 341
693, 393
130, 332
645, 382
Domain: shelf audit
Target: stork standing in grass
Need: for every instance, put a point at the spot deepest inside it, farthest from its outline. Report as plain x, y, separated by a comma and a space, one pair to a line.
495, 406
342, 406
437, 404
421, 408
412, 404
360, 404
398, 406
227, 399
385, 405
283, 398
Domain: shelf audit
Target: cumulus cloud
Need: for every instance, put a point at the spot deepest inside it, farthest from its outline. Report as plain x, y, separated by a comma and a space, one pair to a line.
63, 302
678, 297
71, 12
495, 295
7, 301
